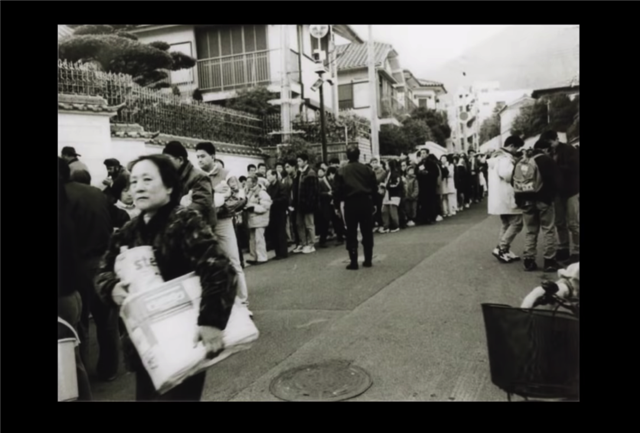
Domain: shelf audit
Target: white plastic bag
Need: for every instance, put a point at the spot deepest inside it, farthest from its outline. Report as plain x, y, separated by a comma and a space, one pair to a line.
162, 320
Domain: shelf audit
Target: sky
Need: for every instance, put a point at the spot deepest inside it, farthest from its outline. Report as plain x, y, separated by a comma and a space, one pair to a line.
424, 47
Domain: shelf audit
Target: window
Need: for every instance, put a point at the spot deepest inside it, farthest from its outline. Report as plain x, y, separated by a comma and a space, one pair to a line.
183, 76
230, 40
486, 104
345, 96
353, 95
422, 103
232, 57
361, 95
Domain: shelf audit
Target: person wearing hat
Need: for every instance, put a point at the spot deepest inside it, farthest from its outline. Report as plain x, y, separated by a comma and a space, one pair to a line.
197, 190
115, 170
70, 155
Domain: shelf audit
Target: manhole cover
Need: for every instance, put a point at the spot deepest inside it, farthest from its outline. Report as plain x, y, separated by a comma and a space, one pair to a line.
330, 381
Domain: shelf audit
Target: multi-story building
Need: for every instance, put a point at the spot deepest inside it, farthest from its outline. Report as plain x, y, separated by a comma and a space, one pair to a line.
509, 112
354, 89
463, 120
241, 56
426, 93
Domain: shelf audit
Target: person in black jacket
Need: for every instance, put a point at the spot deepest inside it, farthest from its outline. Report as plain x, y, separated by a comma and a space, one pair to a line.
69, 280
538, 211
355, 185
277, 230
567, 204
91, 215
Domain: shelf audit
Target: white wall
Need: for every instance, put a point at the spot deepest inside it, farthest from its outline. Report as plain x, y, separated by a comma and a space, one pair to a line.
90, 135
174, 35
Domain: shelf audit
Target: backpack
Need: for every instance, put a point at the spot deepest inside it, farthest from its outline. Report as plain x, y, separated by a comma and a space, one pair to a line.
526, 175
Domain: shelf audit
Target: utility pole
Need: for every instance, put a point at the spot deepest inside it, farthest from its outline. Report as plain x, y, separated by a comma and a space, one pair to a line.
322, 124
285, 93
373, 93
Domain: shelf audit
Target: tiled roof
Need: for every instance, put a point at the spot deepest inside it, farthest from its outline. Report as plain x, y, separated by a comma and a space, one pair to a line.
429, 83
355, 56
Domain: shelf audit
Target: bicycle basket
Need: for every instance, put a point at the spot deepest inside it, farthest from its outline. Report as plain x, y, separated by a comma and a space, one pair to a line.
533, 353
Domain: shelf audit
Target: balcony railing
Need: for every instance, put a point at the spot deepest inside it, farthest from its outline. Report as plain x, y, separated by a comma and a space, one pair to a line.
234, 72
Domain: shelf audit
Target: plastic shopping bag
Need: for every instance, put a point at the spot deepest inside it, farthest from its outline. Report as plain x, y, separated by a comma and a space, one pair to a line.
161, 320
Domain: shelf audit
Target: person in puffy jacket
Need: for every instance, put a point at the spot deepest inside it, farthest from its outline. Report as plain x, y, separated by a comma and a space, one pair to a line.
258, 205
502, 200
183, 243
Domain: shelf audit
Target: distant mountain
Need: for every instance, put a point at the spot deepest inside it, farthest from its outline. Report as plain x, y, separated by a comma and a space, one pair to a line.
519, 57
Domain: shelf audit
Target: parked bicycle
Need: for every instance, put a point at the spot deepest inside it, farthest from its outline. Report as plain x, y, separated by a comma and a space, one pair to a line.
534, 353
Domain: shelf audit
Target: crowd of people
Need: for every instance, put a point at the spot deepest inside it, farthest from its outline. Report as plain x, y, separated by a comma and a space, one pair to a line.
537, 190
205, 220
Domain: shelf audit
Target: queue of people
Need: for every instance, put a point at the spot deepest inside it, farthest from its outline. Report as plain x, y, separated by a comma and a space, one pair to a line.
537, 190
200, 219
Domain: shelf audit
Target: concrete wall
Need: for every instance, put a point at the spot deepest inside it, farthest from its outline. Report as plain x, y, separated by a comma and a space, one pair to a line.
90, 134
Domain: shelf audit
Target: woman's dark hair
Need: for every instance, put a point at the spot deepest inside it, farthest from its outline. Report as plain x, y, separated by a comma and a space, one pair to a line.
120, 184
394, 166
168, 174
514, 141
304, 157
353, 153
332, 170
292, 162
242, 179
450, 159
207, 147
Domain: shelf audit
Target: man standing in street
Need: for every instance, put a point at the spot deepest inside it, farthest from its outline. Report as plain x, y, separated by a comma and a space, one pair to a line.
535, 187
196, 185
306, 200
355, 185
70, 155
223, 229
567, 204
502, 198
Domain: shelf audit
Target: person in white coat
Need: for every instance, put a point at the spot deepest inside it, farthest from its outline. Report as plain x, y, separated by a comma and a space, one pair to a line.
258, 205
502, 197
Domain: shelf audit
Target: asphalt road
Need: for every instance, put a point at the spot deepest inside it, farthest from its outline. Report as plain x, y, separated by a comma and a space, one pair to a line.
413, 321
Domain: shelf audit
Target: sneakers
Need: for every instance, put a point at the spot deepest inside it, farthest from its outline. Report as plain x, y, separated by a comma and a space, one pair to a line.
439, 218
530, 265
308, 249
298, 249
395, 230
551, 265
411, 224
383, 230
512, 256
502, 255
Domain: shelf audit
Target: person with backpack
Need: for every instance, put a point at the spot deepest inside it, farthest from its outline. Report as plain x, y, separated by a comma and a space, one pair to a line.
535, 186
501, 200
